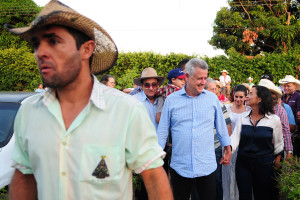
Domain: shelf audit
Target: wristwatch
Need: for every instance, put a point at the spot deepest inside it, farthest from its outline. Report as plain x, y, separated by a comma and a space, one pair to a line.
290, 152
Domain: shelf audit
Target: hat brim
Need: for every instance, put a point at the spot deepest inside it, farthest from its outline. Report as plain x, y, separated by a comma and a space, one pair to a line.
56, 13
138, 81
297, 82
181, 76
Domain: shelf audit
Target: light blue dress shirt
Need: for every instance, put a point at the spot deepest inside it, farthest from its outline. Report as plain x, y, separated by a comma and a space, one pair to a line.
289, 113
151, 108
192, 121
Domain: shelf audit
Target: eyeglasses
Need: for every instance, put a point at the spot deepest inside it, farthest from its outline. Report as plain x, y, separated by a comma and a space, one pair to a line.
148, 85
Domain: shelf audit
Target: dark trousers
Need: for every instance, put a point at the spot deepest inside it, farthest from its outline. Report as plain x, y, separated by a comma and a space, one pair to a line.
254, 174
219, 187
182, 187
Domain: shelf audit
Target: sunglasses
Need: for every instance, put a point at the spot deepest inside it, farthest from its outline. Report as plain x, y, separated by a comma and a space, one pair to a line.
148, 85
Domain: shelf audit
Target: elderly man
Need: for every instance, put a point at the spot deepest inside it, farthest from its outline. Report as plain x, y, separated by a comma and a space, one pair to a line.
85, 147
292, 98
149, 83
191, 114
211, 86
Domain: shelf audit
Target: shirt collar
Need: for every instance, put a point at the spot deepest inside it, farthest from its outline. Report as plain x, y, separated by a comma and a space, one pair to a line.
183, 91
249, 112
97, 95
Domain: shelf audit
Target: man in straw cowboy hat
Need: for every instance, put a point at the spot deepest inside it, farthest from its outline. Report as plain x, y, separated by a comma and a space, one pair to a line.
281, 113
225, 81
89, 140
191, 114
149, 83
292, 98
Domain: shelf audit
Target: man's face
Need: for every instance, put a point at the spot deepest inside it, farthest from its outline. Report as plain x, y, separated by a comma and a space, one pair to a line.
197, 82
150, 87
289, 88
224, 73
211, 86
57, 57
178, 82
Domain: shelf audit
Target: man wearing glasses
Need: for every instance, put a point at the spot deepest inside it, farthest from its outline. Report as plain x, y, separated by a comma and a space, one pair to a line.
149, 82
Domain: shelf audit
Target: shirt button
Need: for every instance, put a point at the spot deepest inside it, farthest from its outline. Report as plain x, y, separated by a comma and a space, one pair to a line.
64, 143
63, 173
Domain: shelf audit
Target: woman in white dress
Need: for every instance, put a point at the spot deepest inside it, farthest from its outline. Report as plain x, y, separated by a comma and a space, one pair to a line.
230, 191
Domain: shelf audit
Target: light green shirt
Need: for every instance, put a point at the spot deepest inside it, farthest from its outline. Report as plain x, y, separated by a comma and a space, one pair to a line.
113, 125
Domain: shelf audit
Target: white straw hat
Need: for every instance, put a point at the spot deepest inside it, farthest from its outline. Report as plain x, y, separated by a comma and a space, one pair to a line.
290, 79
271, 86
224, 70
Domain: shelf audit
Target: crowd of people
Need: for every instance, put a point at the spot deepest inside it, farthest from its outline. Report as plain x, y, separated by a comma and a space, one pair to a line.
195, 138
260, 120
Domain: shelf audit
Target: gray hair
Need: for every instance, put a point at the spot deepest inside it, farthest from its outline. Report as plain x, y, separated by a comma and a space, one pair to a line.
195, 62
209, 80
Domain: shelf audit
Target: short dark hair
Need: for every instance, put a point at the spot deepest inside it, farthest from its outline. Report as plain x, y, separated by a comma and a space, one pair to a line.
182, 63
104, 79
80, 38
266, 105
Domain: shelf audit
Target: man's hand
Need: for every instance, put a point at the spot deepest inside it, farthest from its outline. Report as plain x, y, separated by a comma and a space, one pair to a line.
277, 162
288, 156
226, 155
157, 184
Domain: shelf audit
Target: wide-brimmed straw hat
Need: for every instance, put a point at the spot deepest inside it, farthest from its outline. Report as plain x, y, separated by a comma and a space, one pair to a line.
225, 71
271, 86
290, 79
56, 13
148, 72
249, 78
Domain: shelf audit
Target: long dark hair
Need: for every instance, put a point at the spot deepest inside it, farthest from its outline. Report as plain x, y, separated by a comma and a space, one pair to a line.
266, 105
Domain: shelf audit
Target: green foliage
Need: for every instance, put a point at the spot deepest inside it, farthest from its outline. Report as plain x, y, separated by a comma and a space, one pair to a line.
130, 65
253, 27
4, 193
18, 13
289, 179
18, 70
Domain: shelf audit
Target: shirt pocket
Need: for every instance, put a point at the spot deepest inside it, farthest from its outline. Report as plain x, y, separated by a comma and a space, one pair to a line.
108, 157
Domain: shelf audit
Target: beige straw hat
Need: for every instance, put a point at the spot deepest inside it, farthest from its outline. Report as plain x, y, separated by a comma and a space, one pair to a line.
290, 79
56, 13
224, 70
148, 72
249, 78
271, 86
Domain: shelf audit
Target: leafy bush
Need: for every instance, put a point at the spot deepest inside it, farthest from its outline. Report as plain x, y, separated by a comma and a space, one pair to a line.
289, 179
18, 70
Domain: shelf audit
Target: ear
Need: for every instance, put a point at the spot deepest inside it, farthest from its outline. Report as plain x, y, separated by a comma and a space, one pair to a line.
172, 80
87, 49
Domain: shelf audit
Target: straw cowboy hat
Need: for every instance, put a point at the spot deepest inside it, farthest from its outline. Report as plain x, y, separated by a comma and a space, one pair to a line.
271, 86
249, 78
225, 71
148, 72
290, 79
56, 13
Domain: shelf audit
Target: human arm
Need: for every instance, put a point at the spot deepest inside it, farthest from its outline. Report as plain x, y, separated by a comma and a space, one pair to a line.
23, 186
164, 125
285, 130
226, 155
157, 184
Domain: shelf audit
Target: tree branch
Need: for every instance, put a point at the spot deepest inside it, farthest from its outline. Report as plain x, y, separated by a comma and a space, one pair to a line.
246, 12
